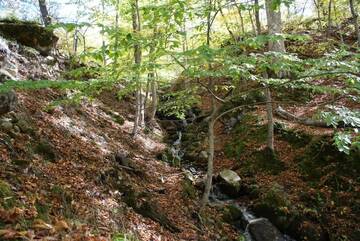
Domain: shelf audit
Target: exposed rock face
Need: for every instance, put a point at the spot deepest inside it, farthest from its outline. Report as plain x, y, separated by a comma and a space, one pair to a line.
262, 230
29, 34
8, 102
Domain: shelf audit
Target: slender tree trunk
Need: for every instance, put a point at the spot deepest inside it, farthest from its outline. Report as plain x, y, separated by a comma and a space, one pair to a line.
274, 26
227, 24
139, 116
103, 32
329, 22
154, 98
210, 166
317, 5
257, 16
269, 112
252, 22
241, 19
116, 45
355, 20
211, 136
76, 41
44, 13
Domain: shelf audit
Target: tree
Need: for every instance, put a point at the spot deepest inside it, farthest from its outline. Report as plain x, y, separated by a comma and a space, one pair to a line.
355, 20
44, 13
139, 115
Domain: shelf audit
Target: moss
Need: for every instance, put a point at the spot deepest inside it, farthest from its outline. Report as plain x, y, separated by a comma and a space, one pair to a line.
45, 149
232, 213
247, 131
322, 157
29, 34
188, 190
65, 199
6, 195
296, 138
43, 210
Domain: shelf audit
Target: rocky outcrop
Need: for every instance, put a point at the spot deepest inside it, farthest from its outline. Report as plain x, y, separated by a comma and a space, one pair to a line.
8, 101
29, 34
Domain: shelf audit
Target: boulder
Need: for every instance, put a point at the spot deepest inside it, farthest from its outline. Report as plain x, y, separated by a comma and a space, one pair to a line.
6, 125
262, 229
29, 34
229, 183
8, 101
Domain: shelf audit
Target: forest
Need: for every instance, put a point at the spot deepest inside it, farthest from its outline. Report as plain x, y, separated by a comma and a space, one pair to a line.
179, 120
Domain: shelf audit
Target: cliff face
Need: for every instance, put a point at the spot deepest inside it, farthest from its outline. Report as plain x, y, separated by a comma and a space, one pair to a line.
29, 34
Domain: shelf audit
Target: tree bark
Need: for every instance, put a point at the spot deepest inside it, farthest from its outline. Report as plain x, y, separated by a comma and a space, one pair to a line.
241, 19
44, 13
139, 115
269, 112
116, 45
274, 26
317, 5
103, 32
355, 20
257, 17
329, 23
154, 98
227, 24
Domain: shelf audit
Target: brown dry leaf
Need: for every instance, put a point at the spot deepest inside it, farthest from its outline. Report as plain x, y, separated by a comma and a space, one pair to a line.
8, 234
61, 225
42, 225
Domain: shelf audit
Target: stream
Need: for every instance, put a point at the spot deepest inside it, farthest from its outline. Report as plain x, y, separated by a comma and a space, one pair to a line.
251, 227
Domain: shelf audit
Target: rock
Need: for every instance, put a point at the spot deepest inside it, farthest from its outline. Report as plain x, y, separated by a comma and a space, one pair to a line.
122, 158
29, 34
8, 101
262, 229
6, 125
229, 183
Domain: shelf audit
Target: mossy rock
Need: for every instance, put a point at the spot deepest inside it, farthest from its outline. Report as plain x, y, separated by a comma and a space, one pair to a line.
46, 149
321, 157
6, 195
22, 163
267, 160
29, 34
188, 189
295, 138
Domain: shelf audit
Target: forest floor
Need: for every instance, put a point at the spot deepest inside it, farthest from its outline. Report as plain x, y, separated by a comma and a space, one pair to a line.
53, 180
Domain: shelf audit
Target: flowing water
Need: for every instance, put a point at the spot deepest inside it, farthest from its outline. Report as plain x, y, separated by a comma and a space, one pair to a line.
217, 197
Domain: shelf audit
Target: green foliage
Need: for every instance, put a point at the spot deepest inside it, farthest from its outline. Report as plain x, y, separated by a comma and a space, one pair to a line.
6, 195
177, 103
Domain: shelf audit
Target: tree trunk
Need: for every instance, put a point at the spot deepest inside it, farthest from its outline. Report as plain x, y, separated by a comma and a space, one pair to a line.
257, 17
44, 13
274, 26
154, 99
103, 32
76, 41
227, 24
269, 112
116, 45
329, 23
139, 116
211, 137
252, 22
317, 5
241, 18
355, 20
